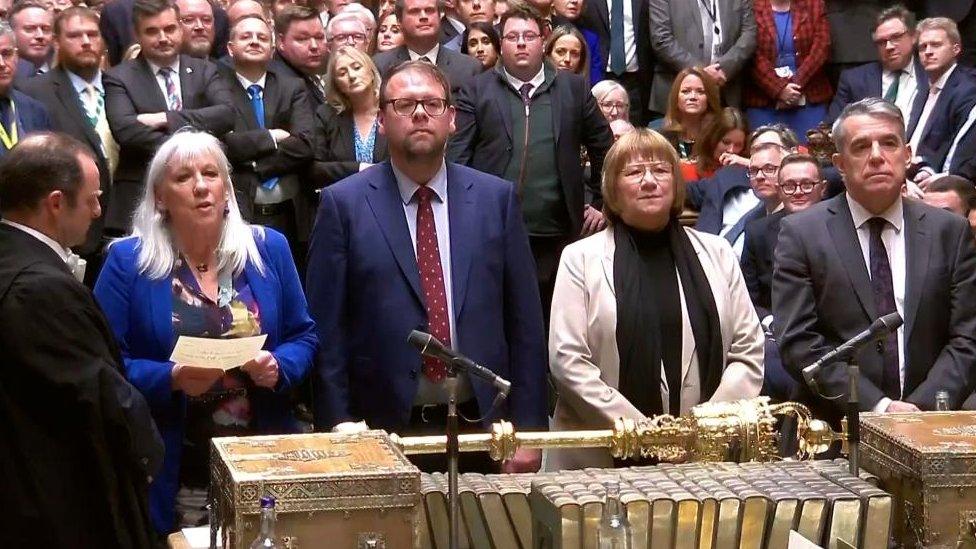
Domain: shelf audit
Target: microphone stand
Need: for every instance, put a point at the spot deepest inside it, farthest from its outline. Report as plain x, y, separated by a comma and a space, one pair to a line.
453, 454
853, 417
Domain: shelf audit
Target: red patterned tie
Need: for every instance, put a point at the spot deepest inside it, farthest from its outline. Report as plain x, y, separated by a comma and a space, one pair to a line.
432, 281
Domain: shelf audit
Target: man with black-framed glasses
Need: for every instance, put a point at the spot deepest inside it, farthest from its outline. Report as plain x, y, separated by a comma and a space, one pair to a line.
346, 29
418, 243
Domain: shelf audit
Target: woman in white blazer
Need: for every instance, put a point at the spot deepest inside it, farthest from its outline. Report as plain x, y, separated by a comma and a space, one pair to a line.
648, 317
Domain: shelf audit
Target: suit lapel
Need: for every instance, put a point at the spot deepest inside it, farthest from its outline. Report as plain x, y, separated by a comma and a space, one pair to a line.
609, 247
501, 103
347, 136
603, 13
264, 295
72, 105
385, 202
188, 80
149, 85
875, 81
844, 236
917, 247
557, 103
462, 217
272, 100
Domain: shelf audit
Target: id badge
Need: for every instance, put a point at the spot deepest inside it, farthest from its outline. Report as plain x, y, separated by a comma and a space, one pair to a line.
784, 72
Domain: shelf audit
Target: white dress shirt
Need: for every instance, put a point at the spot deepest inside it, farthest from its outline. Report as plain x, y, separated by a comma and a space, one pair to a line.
732, 212
427, 392
907, 88
630, 38
893, 237
966, 126
162, 83
709, 25
74, 263
935, 91
538, 80
431, 55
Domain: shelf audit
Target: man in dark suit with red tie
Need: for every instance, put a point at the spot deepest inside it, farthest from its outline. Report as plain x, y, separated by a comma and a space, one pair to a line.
866, 253
154, 95
417, 243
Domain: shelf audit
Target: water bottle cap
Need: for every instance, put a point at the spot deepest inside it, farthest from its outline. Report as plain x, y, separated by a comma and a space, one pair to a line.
267, 502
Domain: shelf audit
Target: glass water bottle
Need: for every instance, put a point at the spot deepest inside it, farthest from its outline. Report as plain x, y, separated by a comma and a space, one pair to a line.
266, 538
614, 532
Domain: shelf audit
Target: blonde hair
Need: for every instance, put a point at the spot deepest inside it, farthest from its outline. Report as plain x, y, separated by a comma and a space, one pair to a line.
645, 144
157, 251
335, 98
943, 24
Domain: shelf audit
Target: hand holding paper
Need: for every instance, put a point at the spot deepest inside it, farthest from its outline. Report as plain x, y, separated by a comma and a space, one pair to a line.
223, 354
263, 369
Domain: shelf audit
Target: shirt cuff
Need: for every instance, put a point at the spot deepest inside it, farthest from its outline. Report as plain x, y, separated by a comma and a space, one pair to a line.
882, 405
273, 139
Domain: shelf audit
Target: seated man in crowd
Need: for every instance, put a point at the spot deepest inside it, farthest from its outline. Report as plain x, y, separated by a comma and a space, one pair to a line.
866, 253
955, 194
31, 116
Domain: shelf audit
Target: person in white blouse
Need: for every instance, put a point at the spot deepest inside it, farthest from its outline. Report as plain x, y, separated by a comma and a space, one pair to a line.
648, 317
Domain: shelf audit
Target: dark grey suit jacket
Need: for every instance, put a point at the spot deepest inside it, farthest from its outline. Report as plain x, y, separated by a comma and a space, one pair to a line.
55, 91
253, 153
822, 297
457, 67
335, 147
678, 43
130, 90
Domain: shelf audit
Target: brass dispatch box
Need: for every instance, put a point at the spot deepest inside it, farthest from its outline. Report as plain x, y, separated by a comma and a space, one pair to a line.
927, 461
332, 490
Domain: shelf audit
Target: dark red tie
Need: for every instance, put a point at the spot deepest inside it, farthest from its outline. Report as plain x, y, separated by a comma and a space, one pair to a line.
432, 281
884, 301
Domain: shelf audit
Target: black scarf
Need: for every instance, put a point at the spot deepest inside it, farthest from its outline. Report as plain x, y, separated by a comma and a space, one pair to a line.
649, 324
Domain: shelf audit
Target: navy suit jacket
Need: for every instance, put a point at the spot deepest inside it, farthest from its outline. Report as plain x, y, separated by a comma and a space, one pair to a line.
865, 81
757, 260
365, 294
140, 312
947, 117
708, 196
31, 116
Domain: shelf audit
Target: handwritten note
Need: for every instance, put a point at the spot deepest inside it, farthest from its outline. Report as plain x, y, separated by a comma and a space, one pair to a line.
223, 354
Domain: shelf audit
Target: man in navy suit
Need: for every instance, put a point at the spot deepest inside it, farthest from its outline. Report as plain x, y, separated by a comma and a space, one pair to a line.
416, 243
19, 114
32, 24
894, 37
940, 114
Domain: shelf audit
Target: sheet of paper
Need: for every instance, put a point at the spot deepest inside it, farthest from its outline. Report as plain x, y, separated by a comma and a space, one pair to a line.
199, 537
799, 542
216, 353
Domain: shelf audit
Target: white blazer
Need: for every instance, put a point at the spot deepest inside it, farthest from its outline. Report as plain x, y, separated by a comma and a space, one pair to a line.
583, 353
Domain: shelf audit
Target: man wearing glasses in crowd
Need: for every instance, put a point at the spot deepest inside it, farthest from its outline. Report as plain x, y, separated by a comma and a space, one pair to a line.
526, 122
347, 29
417, 243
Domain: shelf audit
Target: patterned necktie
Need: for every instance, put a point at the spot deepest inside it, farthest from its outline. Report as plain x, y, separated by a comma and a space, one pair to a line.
95, 112
618, 63
254, 91
432, 282
425, 59
173, 101
525, 92
884, 301
892, 94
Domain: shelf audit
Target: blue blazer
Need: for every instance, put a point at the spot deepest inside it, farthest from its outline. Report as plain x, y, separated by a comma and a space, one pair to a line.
364, 292
947, 117
709, 196
865, 81
140, 313
31, 116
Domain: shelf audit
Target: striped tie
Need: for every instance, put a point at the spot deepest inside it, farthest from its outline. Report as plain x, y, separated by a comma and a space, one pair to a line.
95, 112
173, 101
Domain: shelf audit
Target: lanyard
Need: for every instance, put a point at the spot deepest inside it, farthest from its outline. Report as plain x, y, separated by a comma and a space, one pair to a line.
712, 10
787, 29
9, 140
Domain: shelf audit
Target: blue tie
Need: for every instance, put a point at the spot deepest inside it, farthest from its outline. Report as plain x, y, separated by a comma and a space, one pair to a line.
617, 62
257, 104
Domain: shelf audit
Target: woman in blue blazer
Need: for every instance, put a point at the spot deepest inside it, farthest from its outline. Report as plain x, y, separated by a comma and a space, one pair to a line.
193, 267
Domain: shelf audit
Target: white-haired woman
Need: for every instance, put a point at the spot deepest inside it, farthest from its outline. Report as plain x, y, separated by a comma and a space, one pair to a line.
193, 267
613, 100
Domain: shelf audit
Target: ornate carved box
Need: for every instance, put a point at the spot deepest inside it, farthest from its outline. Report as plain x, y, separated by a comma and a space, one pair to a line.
927, 461
332, 490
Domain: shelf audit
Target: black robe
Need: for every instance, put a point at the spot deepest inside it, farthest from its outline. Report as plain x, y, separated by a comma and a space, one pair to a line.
77, 443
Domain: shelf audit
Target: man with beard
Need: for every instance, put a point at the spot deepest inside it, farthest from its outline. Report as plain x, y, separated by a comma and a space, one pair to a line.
19, 113
417, 243
74, 96
154, 95
197, 19
32, 24
272, 138
301, 49
119, 34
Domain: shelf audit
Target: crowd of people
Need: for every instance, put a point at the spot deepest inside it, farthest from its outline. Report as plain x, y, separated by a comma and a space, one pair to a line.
613, 205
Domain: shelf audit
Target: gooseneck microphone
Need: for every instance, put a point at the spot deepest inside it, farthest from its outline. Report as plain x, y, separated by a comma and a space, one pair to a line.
879, 329
429, 345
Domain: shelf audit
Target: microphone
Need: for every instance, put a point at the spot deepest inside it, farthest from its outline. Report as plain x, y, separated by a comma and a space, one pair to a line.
879, 329
428, 345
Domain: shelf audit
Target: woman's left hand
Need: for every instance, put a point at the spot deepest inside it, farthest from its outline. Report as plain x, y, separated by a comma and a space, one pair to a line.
593, 220
263, 369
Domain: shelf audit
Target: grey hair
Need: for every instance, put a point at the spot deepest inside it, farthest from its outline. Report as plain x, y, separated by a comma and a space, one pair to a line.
604, 87
157, 251
343, 16
870, 106
6, 29
943, 24
361, 11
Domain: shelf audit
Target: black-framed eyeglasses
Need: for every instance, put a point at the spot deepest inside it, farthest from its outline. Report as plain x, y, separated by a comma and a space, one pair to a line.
894, 38
349, 37
803, 187
610, 105
769, 170
405, 106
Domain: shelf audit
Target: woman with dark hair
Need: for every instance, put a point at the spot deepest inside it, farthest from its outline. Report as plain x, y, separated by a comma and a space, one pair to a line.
789, 81
480, 40
721, 143
388, 33
693, 103
566, 48
648, 317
